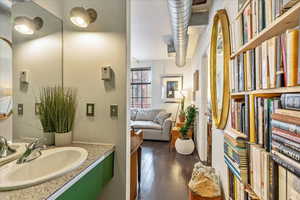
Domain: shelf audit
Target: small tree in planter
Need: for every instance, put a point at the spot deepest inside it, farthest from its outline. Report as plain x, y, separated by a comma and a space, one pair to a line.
182, 112
185, 145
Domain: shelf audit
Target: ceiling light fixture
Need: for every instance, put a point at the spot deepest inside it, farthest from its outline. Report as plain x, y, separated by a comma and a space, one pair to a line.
83, 17
28, 26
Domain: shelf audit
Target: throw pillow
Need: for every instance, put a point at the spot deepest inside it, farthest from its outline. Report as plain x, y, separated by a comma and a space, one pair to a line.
161, 117
133, 113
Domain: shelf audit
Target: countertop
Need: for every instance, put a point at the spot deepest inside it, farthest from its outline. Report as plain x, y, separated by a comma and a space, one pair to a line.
48, 189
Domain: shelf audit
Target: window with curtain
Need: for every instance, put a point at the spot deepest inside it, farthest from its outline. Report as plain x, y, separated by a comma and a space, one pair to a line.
141, 79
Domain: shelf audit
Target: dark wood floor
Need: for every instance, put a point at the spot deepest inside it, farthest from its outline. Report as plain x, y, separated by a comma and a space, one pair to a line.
165, 174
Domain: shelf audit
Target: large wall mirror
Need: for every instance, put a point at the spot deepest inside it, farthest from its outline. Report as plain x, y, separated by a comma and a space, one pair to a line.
219, 69
37, 41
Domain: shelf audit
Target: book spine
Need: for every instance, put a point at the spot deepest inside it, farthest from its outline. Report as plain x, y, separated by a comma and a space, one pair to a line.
247, 124
295, 155
292, 57
290, 101
286, 119
266, 125
286, 135
284, 57
286, 164
279, 64
286, 142
286, 126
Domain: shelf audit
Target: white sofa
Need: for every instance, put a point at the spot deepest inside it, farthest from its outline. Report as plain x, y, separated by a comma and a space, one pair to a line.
155, 123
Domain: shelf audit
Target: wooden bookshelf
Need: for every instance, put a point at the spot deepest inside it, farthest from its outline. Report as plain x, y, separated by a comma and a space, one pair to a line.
282, 90
288, 20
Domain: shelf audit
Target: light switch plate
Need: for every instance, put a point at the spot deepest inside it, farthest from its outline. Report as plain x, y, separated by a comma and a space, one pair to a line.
20, 109
114, 110
90, 109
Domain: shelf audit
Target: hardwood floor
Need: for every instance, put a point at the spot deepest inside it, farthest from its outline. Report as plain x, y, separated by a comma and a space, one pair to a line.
165, 174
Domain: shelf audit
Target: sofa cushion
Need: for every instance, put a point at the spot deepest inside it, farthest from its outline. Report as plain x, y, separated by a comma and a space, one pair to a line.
161, 117
133, 112
147, 114
145, 125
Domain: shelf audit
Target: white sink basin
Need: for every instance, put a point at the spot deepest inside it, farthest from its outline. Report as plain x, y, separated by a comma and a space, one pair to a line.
19, 148
52, 163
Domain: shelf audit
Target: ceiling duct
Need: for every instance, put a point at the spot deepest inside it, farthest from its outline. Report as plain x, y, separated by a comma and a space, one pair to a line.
180, 13
5, 5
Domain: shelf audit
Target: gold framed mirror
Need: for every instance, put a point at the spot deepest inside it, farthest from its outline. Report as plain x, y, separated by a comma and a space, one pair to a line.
5, 78
220, 52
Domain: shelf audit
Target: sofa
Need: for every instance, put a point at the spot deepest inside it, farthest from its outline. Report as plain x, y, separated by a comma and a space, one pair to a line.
155, 123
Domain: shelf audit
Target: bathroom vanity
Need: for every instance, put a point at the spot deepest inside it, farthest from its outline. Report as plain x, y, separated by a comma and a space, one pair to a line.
85, 182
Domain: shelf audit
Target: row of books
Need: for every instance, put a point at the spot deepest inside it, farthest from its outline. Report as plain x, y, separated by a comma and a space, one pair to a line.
257, 15
273, 64
238, 115
236, 188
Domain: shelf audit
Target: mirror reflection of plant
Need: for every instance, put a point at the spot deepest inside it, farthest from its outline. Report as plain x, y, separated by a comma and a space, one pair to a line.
191, 112
58, 108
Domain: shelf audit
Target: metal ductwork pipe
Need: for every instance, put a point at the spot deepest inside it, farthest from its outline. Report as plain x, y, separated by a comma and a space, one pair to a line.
180, 12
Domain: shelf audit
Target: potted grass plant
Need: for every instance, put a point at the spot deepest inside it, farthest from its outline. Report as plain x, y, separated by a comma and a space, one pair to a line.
182, 112
46, 108
63, 114
185, 145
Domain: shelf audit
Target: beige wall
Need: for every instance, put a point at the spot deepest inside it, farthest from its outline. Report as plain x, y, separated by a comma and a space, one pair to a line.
85, 52
6, 76
167, 67
199, 62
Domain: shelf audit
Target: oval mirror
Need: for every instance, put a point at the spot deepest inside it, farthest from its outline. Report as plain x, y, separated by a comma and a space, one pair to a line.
219, 64
5, 78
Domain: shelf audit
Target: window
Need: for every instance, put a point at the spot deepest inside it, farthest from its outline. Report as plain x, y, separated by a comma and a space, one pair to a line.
141, 87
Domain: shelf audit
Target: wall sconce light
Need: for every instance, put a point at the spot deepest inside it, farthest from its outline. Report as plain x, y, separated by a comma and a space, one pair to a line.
83, 17
28, 26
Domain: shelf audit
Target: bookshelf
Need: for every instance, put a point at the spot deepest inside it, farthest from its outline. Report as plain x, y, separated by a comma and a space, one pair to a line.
288, 20
253, 111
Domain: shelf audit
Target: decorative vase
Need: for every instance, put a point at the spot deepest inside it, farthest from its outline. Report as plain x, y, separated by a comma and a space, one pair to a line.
63, 139
181, 118
49, 138
184, 146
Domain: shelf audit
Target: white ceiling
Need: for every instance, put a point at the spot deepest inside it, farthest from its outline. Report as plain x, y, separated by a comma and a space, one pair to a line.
150, 26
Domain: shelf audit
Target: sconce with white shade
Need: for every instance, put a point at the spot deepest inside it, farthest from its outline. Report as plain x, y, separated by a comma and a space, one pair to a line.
28, 26
82, 17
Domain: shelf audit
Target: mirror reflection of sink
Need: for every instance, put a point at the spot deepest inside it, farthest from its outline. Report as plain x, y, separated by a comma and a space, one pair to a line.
19, 150
51, 164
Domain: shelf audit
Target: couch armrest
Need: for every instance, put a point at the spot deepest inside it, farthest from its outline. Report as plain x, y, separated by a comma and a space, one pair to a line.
166, 127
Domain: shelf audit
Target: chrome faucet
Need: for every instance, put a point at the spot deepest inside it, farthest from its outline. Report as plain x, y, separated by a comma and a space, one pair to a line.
33, 151
5, 149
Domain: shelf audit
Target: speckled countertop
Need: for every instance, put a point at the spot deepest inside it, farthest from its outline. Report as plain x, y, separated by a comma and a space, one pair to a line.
45, 190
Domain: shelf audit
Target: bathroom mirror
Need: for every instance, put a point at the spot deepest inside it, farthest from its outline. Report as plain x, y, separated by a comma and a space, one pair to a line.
220, 51
37, 62
5, 78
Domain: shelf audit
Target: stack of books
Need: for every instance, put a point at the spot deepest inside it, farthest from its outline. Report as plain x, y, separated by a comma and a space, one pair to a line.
236, 154
286, 133
240, 115
273, 64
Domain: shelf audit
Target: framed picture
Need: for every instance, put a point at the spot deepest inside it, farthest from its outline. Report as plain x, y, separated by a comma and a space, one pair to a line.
171, 87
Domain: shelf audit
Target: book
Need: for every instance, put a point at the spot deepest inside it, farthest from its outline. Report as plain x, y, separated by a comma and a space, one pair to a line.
290, 101
286, 162
265, 66
258, 66
285, 135
286, 118
286, 126
272, 61
279, 63
282, 175
292, 57
286, 142
273, 180
293, 187
261, 15
295, 155
292, 113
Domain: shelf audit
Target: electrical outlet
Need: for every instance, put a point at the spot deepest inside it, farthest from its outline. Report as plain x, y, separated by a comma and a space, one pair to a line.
20, 109
113, 110
90, 109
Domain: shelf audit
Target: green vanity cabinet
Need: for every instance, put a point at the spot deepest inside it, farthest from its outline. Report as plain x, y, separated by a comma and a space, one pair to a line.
90, 186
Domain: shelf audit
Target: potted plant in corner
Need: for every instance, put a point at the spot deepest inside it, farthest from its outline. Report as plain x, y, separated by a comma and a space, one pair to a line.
185, 145
45, 112
182, 112
64, 100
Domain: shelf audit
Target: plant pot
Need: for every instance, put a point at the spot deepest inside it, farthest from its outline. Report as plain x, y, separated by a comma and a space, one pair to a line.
63, 139
181, 118
49, 138
184, 146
